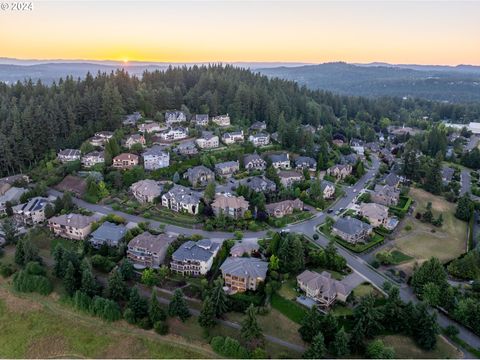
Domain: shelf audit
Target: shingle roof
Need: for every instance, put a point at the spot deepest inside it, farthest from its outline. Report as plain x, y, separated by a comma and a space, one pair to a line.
351, 226
183, 194
70, 152
322, 283
245, 267
231, 202
109, 232
153, 243
147, 187
201, 250
74, 220
155, 150
283, 157
305, 160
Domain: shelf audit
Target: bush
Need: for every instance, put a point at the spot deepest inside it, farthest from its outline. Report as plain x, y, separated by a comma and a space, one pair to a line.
25, 282
145, 323
228, 347
129, 316
161, 327
451, 331
6, 270
102, 263
315, 236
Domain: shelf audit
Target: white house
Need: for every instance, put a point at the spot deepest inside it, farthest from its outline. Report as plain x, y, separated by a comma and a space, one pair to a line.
155, 158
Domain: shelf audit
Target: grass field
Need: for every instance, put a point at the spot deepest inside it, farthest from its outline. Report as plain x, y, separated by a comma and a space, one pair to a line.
405, 348
446, 243
37, 327
289, 308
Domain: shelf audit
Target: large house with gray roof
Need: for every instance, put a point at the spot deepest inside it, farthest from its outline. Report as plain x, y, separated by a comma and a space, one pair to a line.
194, 258
145, 191
109, 234
230, 206
199, 176
233, 137
155, 158
71, 226
305, 163
352, 230
227, 168
67, 155
147, 250
12, 196
182, 199
201, 119
385, 195
207, 140
280, 161
322, 288
31, 212
260, 184
254, 162
175, 117
243, 273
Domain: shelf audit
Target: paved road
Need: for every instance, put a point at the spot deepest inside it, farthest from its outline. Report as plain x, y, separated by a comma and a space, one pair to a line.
472, 142
356, 263
465, 181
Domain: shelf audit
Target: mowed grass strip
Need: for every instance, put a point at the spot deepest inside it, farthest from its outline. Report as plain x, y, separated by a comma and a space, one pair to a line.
405, 348
446, 242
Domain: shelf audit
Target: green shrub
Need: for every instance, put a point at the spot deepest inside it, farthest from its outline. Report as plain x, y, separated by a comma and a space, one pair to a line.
228, 347
102, 263
161, 327
25, 282
6, 270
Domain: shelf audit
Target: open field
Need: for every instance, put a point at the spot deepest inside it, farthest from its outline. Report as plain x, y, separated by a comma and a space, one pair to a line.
35, 326
445, 243
405, 348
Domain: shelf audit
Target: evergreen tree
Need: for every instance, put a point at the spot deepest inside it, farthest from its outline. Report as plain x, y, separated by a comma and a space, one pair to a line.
116, 287
464, 208
367, 318
431, 271
89, 285
59, 258
311, 325
329, 328
155, 312
219, 298
340, 343
70, 279
393, 310
209, 193
10, 231
178, 306
291, 254
207, 318
251, 332
126, 269
317, 350
137, 304
426, 328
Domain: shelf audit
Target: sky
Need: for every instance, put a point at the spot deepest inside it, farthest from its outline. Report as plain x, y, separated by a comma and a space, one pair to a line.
315, 31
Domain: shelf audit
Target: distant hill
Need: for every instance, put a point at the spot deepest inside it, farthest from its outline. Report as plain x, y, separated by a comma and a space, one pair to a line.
12, 70
443, 83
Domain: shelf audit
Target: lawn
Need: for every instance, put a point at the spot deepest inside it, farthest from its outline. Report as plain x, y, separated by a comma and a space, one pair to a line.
289, 308
37, 327
364, 290
446, 243
405, 348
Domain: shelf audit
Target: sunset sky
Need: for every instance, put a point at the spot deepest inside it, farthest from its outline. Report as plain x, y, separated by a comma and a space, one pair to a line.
422, 32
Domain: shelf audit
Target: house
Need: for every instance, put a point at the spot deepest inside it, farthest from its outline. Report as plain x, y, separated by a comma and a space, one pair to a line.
221, 120
350, 159
309, 128
155, 158
289, 177
131, 119
201, 119
447, 175
109, 234
230, 206
254, 162
146, 190
19, 180
32, 212
385, 195
387, 157
258, 126
241, 274
376, 214
207, 140
174, 117
260, 184
69, 155
11, 196
100, 138
260, 139
351, 230
173, 134
125, 161
280, 161
282, 208
338, 142
199, 176
227, 169
194, 258
233, 137
150, 127
147, 250
322, 288
135, 139
357, 145
305, 163
71, 226
93, 158
244, 247
187, 148
328, 189
392, 180
340, 171
74, 184
181, 199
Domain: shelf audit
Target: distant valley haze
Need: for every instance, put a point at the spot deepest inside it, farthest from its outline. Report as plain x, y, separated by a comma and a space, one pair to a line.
460, 83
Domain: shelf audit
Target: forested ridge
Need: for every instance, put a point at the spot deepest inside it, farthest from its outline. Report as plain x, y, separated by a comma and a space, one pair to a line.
35, 118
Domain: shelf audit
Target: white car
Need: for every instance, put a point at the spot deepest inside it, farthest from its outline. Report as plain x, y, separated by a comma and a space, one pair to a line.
354, 190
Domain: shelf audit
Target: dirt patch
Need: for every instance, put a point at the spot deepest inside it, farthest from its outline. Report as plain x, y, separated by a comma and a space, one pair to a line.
17, 304
125, 348
48, 347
